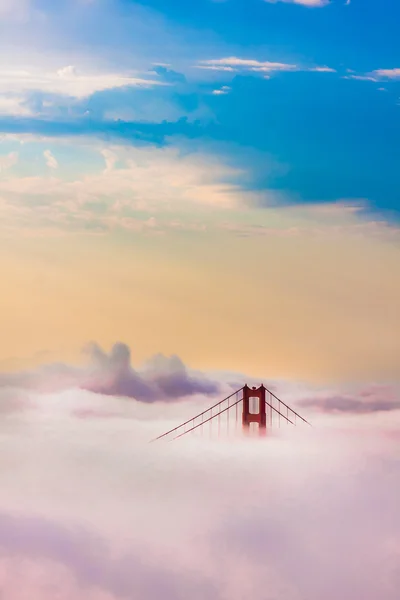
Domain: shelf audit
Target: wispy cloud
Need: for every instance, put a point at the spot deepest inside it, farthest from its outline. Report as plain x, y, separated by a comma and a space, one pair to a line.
51, 161
387, 73
14, 105
223, 91
67, 81
110, 159
216, 68
377, 75
361, 77
374, 399
233, 63
134, 179
8, 161
309, 3
150, 190
322, 70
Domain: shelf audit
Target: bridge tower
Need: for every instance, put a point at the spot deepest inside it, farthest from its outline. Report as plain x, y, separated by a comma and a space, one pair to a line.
254, 409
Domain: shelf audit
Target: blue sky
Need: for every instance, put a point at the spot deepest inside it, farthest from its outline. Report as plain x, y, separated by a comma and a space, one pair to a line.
334, 134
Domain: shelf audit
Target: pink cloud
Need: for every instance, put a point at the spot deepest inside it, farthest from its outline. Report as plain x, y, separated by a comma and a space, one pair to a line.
373, 399
111, 374
311, 515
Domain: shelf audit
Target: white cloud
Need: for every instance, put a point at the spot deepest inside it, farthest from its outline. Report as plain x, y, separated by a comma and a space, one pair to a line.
66, 81
18, 84
222, 91
51, 162
8, 161
322, 70
234, 63
387, 73
255, 65
164, 176
110, 158
159, 183
361, 77
149, 179
375, 76
309, 3
216, 68
67, 72
13, 105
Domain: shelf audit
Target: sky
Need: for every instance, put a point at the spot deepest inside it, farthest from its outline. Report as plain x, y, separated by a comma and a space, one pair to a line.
196, 195
176, 176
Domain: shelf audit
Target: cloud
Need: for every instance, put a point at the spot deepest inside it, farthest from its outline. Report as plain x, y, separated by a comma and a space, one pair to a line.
14, 105
374, 399
241, 63
386, 74
110, 158
83, 556
147, 179
322, 70
162, 378
377, 75
361, 77
14, 9
234, 63
51, 162
8, 161
223, 91
111, 518
309, 3
67, 81
216, 68
141, 188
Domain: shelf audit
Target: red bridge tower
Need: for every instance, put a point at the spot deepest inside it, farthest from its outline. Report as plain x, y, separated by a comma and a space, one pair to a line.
254, 410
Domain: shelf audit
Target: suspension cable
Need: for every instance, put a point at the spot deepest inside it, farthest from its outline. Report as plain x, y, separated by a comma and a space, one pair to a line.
199, 415
210, 419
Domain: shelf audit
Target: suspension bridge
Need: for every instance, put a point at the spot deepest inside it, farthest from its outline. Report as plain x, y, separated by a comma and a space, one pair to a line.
253, 410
